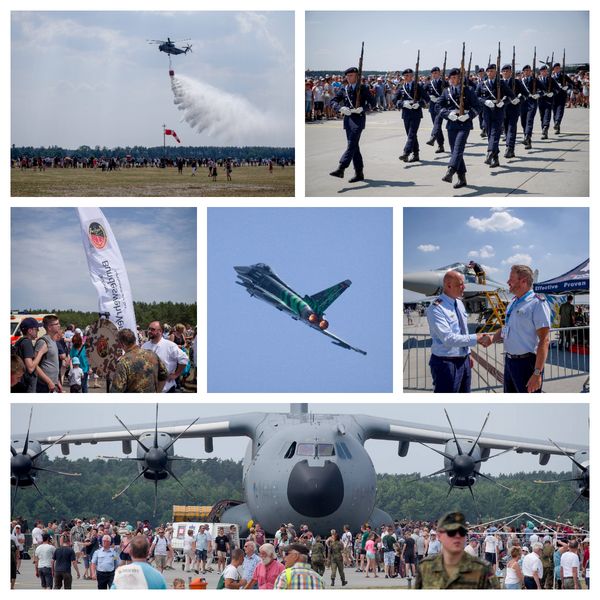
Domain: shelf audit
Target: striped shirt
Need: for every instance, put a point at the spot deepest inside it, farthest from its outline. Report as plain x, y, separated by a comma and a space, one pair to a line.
299, 577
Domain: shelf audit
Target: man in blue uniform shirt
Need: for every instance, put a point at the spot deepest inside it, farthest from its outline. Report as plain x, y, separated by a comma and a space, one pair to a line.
546, 88
451, 341
411, 97
563, 84
529, 103
526, 334
512, 110
351, 101
435, 89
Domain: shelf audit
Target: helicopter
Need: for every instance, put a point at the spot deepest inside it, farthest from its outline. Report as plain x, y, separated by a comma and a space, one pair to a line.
169, 47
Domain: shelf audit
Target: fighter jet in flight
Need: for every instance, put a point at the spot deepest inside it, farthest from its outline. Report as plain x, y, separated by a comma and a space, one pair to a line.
263, 283
299, 466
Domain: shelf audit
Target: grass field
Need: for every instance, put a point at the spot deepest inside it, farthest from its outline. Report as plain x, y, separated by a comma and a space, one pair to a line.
247, 181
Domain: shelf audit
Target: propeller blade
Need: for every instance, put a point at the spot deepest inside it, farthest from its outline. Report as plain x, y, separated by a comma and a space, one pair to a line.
574, 503
490, 479
557, 480
438, 451
171, 444
480, 432
170, 472
568, 456
48, 447
500, 453
26, 445
42, 495
156, 428
131, 434
14, 498
57, 472
444, 470
454, 434
475, 502
155, 495
13, 451
451, 488
120, 458
130, 484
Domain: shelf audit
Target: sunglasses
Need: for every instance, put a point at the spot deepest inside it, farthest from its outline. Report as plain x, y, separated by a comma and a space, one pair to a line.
460, 531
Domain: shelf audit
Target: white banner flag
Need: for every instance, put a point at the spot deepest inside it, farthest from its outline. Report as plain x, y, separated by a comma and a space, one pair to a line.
107, 269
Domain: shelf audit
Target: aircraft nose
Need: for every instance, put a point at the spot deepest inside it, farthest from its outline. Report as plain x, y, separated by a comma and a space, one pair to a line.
315, 491
242, 270
421, 282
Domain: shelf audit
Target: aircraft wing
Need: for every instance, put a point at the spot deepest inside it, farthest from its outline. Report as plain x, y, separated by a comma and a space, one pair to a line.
402, 431
262, 294
478, 288
227, 426
340, 342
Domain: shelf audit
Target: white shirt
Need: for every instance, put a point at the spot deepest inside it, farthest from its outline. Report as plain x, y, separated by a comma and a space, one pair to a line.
44, 554
160, 546
36, 535
470, 550
75, 375
490, 544
532, 564
231, 572
568, 561
188, 541
171, 355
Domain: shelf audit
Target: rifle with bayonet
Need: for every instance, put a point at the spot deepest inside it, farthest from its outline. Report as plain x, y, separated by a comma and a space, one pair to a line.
357, 102
416, 80
534, 84
563, 69
444, 69
469, 67
498, 86
514, 74
461, 105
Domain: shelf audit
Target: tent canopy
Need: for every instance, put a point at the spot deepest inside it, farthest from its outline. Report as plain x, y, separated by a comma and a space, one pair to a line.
575, 281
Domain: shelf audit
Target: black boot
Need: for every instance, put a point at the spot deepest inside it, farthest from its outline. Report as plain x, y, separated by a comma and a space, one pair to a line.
488, 158
483, 133
332, 582
494, 162
510, 153
545, 133
430, 141
527, 143
462, 181
557, 128
344, 583
440, 149
414, 157
339, 172
403, 157
358, 176
449, 175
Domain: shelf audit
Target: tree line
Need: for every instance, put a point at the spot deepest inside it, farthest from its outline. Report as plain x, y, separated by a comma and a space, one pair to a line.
216, 479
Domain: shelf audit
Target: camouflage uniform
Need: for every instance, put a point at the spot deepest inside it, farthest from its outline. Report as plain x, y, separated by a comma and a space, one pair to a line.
336, 549
317, 558
548, 564
473, 574
139, 371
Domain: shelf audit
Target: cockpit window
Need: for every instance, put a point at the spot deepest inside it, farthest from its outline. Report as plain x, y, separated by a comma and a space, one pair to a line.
263, 266
315, 450
325, 450
290, 451
306, 449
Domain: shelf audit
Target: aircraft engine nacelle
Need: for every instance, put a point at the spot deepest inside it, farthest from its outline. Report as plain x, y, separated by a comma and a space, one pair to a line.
323, 324
156, 460
463, 457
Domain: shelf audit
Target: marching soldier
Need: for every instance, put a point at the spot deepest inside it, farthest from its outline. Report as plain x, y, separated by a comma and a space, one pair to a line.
453, 568
512, 110
459, 126
493, 110
411, 97
563, 84
529, 103
481, 117
435, 89
546, 87
352, 101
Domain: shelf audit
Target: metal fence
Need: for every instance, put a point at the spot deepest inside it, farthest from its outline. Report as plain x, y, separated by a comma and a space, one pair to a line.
568, 357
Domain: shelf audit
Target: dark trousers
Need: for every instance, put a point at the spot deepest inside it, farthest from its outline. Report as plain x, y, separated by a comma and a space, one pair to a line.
530, 583
105, 579
63, 578
352, 153
436, 119
511, 119
411, 126
458, 140
545, 106
528, 110
450, 375
517, 372
493, 120
41, 387
46, 577
558, 108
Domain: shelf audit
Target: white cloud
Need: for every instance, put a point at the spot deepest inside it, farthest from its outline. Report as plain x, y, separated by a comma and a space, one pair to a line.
490, 270
481, 26
486, 251
499, 209
499, 221
518, 259
428, 248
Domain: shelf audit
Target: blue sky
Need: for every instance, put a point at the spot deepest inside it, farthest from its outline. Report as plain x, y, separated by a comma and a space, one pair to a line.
565, 423
254, 348
392, 38
104, 84
49, 268
553, 240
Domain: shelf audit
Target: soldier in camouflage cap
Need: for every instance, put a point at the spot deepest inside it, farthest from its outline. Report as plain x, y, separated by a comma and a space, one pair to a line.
317, 556
453, 568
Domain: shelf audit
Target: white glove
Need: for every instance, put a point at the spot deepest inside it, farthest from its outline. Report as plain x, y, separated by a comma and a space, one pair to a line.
407, 104
452, 116
490, 103
564, 87
550, 94
415, 105
515, 101
535, 96
345, 111
357, 111
434, 100
464, 118
501, 103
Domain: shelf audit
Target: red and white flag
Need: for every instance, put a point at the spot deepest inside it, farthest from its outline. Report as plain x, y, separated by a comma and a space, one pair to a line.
172, 132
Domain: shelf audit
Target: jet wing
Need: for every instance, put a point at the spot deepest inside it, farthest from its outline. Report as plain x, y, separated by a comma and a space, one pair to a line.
340, 342
402, 431
478, 288
262, 294
227, 426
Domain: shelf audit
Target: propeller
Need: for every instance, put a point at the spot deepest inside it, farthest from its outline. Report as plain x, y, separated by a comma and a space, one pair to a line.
23, 468
155, 462
187, 48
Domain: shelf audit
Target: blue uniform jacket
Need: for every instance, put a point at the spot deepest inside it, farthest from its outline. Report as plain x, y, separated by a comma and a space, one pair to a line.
405, 92
451, 102
347, 97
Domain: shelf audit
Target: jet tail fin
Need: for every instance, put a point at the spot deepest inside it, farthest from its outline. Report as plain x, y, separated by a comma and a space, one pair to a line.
536, 275
320, 301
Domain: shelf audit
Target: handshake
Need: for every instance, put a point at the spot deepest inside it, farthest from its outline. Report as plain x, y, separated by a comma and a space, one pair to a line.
484, 339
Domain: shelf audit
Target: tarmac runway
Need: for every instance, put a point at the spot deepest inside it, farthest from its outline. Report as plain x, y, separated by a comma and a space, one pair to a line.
27, 579
558, 166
